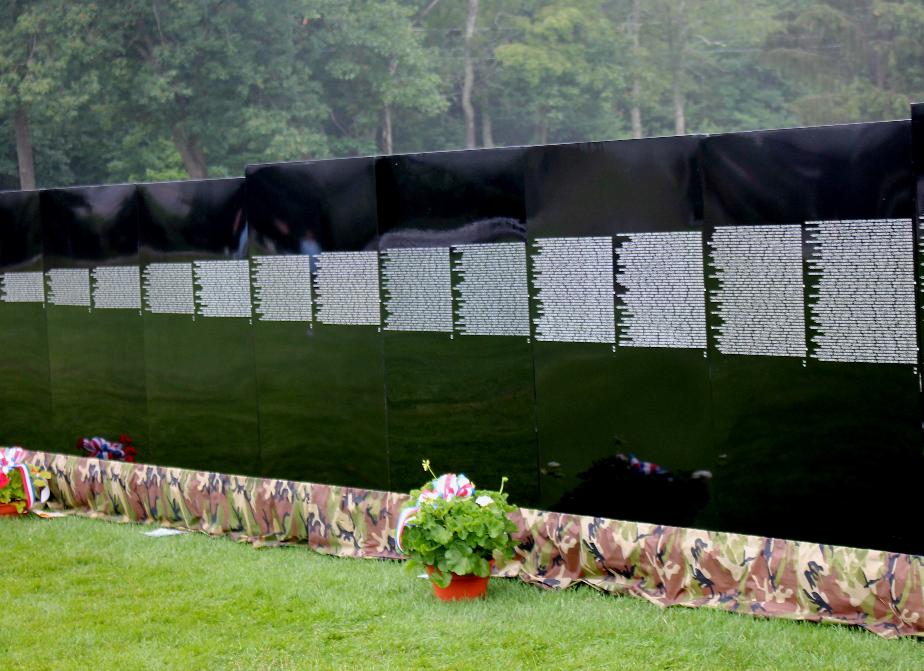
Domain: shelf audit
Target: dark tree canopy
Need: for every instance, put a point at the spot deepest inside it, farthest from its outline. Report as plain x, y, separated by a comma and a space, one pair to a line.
130, 90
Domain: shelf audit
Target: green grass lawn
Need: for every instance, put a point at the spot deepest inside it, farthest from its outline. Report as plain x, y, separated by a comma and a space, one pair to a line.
86, 594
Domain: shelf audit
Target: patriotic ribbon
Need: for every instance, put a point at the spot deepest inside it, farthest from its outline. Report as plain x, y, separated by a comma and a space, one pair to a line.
645, 467
447, 487
11, 460
100, 448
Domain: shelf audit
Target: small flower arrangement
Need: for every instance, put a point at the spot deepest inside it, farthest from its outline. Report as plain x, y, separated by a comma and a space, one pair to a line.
21, 485
450, 528
100, 448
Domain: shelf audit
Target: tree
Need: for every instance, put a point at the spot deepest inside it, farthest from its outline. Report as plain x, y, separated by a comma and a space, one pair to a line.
132, 90
45, 50
469, 77
377, 72
854, 59
566, 65
224, 81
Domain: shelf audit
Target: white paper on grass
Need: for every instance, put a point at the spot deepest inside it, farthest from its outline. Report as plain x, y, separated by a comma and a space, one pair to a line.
164, 531
48, 514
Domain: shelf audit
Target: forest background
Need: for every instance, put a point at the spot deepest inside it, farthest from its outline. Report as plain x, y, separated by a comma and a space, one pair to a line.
140, 90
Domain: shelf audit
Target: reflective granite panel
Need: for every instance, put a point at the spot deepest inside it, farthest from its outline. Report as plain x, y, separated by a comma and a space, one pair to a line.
917, 163
616, 296
317, 333
812, 336
95, 329
25, 396
458, 353
197, 324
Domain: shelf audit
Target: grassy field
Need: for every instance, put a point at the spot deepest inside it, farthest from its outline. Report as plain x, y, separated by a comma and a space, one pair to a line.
82, 594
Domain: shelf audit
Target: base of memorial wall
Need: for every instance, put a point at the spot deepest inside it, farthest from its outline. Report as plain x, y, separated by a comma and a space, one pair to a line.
882, 592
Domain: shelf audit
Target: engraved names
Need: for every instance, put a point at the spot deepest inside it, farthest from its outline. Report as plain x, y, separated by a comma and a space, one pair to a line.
68, 286
347, 288
573, 283
759, 297
920, 223
660, 290
492, 294
168, 288
116, 287
22, 287
222, 288
861, 291
417, 290
282, 288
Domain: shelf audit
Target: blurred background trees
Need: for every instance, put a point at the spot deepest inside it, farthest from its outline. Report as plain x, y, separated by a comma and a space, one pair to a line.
132, 90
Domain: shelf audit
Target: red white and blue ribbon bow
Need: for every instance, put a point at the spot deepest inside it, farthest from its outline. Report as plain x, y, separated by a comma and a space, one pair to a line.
447, 487
100, 448
645, 467
11, 460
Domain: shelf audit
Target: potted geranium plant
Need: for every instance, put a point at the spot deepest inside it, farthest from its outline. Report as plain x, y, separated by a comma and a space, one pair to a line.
456, 533
21, 485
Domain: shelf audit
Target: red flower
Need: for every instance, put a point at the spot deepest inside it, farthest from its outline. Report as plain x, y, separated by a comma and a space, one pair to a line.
3, 480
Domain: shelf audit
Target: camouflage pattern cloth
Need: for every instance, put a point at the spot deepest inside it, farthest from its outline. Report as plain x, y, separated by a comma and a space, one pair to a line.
882, 592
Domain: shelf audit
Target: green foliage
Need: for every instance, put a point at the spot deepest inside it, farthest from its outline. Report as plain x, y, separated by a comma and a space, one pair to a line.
371, 56
567, 63
852, 59
14, 492
459, 536
126, 90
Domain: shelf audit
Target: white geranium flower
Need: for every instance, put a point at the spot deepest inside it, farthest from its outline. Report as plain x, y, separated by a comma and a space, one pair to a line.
484, 501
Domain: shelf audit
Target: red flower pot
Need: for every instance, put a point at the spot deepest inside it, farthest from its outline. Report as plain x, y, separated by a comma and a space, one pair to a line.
462, 587
8, 509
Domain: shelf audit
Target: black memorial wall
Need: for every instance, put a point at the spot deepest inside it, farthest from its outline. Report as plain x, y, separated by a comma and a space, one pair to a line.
917, 165
94, 321
25, 395
458, 356
198, 335
619, 321
812, 336
711, 331
317, 322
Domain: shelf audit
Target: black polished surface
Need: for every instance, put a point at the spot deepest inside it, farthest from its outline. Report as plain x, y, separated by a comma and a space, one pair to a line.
713, 332
463, 401
823, 451
25, 396
202, 403
599, 404
917, 165
321, 385
96, 352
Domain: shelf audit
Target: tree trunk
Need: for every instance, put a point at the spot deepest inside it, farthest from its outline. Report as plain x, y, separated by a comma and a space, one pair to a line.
635, 21
24, 154
487, 129
388, 146
468, 82
679, 35
542, 128
680, 102
190, 152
